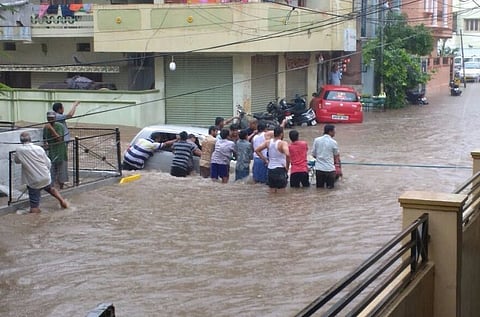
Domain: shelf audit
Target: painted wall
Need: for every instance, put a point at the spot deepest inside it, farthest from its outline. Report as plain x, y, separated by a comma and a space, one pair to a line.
181, 28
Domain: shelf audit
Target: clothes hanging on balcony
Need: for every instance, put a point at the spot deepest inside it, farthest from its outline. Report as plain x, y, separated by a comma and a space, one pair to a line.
66, 12
52, 9
76, 7
42, 10
87, 7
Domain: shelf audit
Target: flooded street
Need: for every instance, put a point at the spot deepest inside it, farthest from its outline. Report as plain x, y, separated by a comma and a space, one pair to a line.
162, 246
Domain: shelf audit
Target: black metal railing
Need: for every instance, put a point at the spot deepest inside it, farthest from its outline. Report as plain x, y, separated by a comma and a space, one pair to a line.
7, 126
418, 247
94, 154
471, 187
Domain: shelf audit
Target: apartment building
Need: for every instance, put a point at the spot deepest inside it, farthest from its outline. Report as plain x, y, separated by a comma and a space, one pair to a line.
224, 53
466, 27
437, 15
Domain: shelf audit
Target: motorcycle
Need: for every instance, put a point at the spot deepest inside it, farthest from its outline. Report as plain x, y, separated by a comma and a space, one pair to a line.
297, 112
417, 97
454, 89
270, 119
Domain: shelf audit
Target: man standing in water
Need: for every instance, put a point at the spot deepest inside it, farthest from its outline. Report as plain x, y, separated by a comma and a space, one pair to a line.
223, 152
325, 152
278, 160
53, 137
298, 153
183, 153
60, 117
208, 145
36, 172
259, 170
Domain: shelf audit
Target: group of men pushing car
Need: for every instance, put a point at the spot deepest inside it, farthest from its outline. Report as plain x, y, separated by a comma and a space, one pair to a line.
273, 158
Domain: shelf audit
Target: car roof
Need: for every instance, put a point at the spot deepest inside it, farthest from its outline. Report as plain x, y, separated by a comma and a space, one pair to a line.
172, 128
339, 88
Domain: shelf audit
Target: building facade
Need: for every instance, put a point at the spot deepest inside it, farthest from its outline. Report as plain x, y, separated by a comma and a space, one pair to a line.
225, 53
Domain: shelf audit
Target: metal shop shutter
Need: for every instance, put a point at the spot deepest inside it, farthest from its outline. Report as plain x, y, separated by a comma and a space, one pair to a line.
199, 90
264, 81
297, 74
296, 83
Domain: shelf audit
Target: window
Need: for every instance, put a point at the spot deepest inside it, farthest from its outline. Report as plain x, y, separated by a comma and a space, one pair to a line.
340, 96
9, 46
83, 47
472, 25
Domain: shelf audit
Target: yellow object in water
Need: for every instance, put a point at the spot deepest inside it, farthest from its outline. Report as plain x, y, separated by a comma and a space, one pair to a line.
129, 179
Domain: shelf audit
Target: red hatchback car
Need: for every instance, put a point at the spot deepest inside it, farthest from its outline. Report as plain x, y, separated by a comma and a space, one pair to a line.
337, 104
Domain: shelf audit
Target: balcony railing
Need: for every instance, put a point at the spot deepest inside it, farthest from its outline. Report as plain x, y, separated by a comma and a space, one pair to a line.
400, 255
70, 22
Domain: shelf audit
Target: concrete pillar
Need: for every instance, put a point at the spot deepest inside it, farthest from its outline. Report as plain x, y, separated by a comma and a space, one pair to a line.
282, 75
312, 77
445, 247
160, 85
476, 161
242, 87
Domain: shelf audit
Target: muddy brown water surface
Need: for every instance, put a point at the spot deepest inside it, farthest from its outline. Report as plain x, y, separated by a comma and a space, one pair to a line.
162, 246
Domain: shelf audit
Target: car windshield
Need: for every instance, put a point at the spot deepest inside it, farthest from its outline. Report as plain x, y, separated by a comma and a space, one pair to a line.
335, 95
472, 66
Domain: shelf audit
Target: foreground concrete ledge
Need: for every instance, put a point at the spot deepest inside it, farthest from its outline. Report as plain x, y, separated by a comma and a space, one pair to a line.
432, 201
475, 154
65, 193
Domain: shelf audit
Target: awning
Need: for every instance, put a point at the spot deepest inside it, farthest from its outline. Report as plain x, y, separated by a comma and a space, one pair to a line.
60, 69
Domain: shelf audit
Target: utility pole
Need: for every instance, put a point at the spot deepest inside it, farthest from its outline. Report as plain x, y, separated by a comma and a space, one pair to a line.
463, 60
382, 44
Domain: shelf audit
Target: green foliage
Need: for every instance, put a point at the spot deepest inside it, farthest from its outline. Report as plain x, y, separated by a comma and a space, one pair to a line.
401, 69
4, 88
445, 50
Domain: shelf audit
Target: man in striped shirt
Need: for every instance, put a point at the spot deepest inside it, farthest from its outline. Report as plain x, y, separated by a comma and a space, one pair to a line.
184, 152
136, 155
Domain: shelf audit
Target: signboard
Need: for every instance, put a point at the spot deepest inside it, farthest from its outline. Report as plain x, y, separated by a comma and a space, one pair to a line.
349, 40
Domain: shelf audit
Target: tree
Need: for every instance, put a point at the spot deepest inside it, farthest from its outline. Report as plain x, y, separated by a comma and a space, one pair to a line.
403, 45
445, 50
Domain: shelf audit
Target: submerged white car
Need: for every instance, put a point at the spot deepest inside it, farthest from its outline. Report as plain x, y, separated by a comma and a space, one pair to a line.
162, 159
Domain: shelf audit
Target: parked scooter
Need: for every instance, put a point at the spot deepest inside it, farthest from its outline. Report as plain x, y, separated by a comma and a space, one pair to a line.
454, 89
417, 97
297, 112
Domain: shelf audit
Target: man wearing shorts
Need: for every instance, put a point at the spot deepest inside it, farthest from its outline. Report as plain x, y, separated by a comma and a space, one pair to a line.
220, 163
36, 172
278, 160
298, 156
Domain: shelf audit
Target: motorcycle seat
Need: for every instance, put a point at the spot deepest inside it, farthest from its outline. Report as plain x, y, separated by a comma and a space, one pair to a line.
263, 116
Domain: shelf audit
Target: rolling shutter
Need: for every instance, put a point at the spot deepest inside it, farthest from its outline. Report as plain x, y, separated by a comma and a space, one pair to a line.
199, 90
264, 81
296, 83
297, 73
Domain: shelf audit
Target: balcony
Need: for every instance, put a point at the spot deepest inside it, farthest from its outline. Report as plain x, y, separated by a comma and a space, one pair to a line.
58, 22
247, 27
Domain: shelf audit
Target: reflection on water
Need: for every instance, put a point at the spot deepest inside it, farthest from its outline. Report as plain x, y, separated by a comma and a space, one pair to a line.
163, 246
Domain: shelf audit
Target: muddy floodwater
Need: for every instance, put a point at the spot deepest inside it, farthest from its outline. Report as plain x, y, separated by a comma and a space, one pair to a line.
162, 246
